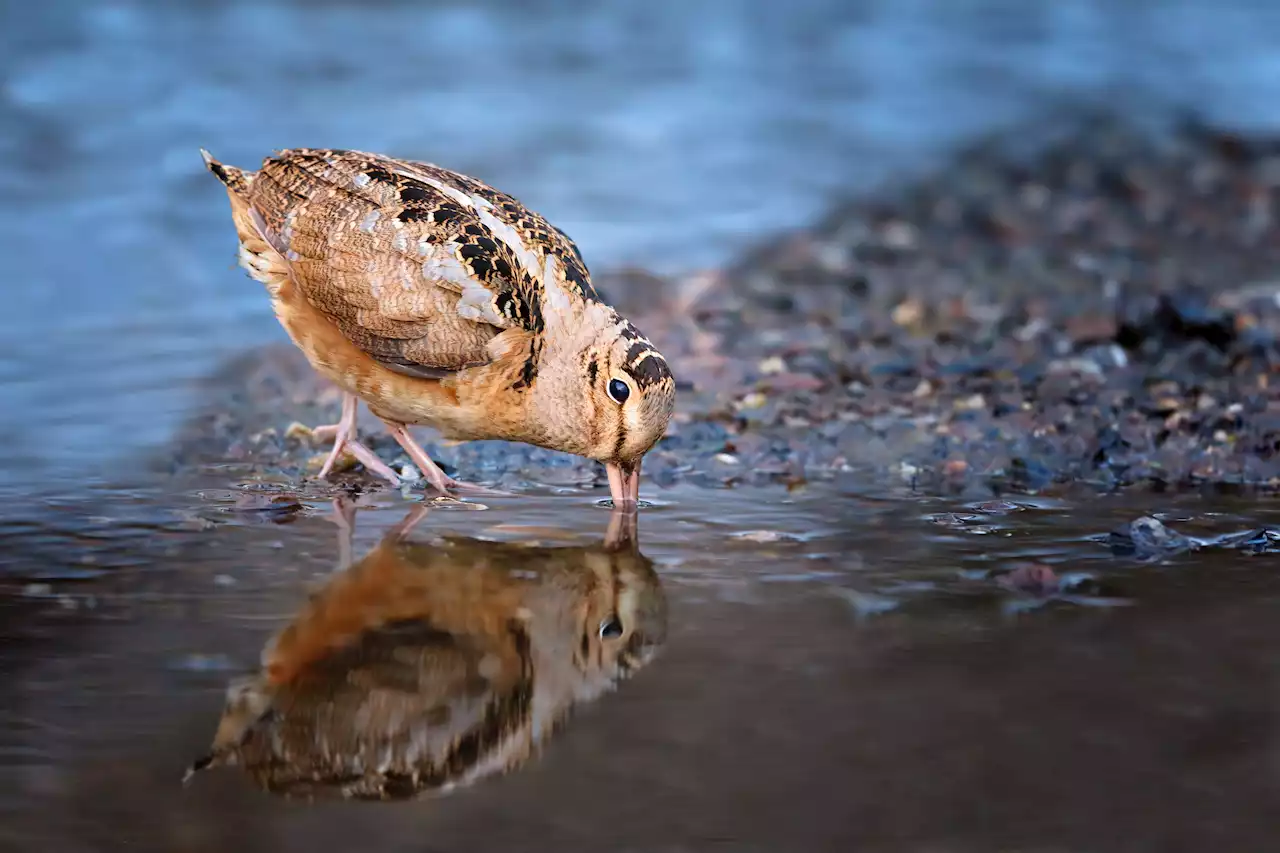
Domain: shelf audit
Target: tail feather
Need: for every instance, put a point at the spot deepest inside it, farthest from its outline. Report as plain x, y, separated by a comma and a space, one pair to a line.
235, 179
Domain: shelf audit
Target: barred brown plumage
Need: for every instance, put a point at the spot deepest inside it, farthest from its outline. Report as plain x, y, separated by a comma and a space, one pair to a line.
439, 300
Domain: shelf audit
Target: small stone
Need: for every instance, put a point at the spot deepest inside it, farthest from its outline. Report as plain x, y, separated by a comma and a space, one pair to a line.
771, 365
224, 580
1147, 538
37, 590
1033, 578
899, 235
909, 312
344, 462
997, 507
300, 431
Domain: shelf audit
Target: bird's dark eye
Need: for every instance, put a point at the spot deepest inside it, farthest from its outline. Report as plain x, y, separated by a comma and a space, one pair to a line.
618, 391
610, 628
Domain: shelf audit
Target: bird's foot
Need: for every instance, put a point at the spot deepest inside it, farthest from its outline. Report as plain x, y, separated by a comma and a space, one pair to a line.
433, 473
327, 432
344, 439
364, 456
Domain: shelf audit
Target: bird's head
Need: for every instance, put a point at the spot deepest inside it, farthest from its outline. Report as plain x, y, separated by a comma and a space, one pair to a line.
608, 394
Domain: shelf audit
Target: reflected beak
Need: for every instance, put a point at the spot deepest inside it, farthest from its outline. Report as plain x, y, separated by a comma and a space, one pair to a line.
622, 533
624, 487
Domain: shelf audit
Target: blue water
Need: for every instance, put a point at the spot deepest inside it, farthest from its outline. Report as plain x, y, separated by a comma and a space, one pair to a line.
666, 134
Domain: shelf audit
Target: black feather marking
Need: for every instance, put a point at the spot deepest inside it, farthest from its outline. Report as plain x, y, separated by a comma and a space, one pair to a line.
529, 372
576, 275
221, 173
380, 175
414, 214
416, 191
471, 251
447, 214
637, 349
630, 332
503, 268
645, 364
481, 267
652, 371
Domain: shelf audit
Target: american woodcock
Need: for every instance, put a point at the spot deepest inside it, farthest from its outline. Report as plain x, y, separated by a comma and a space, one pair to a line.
424, 667
441, 301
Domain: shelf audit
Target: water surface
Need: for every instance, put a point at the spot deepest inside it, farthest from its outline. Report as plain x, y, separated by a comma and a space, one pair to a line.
833, 673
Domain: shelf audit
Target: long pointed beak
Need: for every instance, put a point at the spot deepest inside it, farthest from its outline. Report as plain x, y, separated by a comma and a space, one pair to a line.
624, 487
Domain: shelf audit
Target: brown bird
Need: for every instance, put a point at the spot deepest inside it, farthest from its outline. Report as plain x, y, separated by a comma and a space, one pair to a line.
420, 668
441, 301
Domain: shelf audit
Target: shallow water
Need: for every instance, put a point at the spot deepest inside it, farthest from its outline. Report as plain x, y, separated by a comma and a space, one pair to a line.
835, 670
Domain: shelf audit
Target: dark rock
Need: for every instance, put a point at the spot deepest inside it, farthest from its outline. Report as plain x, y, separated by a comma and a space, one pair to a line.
1148, 539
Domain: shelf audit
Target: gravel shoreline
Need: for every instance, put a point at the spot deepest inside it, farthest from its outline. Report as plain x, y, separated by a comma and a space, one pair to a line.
1103, 313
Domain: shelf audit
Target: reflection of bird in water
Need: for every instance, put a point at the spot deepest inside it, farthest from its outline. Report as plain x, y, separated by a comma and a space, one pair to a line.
422, 667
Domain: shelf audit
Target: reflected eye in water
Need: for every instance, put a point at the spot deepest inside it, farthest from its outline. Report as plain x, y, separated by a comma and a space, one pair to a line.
610, 628
419, 667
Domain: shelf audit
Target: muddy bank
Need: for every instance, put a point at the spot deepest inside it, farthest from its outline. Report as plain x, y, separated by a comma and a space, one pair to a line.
1104, 312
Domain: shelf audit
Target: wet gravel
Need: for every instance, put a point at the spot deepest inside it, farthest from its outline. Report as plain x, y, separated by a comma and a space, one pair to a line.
1101, 313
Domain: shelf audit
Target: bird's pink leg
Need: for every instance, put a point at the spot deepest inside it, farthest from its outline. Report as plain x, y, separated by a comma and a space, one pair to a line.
344, 433
437, 477
434, 474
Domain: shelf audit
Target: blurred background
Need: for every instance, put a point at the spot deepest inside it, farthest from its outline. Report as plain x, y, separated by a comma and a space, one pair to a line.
666, 135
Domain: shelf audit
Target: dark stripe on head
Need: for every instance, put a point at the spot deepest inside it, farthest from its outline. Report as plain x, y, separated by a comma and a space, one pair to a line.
643, 361
636, 350
653, 370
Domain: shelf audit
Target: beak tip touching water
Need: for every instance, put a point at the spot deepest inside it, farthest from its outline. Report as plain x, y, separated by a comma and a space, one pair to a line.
624, 486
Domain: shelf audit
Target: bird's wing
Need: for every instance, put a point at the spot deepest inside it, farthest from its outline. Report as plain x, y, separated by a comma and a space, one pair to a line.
418, 266
402, 708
